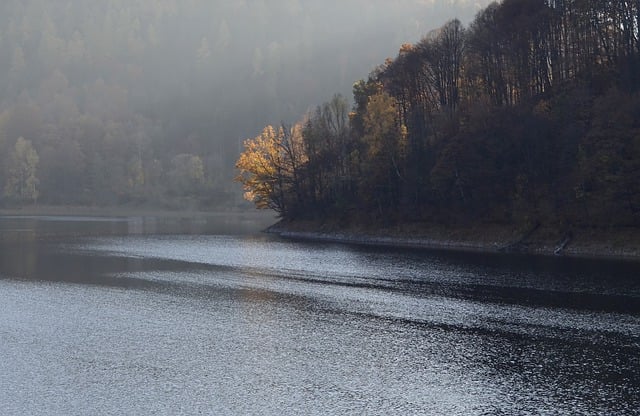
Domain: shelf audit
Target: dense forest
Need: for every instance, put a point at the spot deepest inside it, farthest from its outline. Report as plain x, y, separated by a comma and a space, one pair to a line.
107, 102
529, 115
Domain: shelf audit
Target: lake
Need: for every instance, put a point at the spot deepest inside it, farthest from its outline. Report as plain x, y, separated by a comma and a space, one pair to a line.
205, 315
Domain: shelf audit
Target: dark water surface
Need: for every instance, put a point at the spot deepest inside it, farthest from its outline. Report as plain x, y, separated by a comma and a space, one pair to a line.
114, 316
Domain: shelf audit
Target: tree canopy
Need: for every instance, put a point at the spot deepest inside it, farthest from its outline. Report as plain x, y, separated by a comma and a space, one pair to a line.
530, 114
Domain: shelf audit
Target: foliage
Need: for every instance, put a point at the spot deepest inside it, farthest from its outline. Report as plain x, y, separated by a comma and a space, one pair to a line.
259, 165
22, 182
530, 115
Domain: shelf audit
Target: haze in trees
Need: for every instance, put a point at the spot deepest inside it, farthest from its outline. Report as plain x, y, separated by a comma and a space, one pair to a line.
147, 101
22, 184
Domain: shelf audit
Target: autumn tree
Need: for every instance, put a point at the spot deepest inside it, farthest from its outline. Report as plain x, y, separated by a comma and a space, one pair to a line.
270, 170
382, 163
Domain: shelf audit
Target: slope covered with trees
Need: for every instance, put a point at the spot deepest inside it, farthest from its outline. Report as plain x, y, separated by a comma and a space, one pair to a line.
144, 101
529, 115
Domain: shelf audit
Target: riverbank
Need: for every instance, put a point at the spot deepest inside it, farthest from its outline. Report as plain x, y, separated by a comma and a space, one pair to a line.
619, 243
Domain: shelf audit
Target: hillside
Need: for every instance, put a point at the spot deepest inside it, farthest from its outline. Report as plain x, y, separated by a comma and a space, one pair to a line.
527, 118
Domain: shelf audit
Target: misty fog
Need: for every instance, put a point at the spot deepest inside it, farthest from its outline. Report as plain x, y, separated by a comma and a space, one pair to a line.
148, 101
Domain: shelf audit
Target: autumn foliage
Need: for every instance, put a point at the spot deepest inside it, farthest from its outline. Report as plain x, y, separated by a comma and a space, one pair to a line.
529, 115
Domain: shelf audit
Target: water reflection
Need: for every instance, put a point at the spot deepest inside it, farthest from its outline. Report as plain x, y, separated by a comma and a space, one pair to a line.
14, 228
139, 316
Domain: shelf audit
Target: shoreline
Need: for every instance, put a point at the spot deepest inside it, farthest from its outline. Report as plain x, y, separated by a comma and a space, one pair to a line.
122, 211
619, 245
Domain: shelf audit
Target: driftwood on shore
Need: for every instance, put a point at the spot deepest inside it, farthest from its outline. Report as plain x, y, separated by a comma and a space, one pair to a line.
562, 245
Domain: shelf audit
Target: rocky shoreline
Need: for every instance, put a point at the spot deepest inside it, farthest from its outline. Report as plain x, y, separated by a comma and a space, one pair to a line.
614, 244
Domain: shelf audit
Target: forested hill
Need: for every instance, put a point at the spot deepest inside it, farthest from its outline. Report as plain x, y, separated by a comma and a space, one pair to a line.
147, 101
529, 115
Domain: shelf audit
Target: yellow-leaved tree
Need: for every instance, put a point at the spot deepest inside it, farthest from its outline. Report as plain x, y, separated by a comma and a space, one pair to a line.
270, 167
385, 147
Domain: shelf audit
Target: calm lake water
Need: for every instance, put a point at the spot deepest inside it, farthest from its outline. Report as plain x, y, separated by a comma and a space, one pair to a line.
168, 316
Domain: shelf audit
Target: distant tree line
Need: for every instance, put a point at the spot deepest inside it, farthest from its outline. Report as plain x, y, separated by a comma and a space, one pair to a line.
529, 115
144, 101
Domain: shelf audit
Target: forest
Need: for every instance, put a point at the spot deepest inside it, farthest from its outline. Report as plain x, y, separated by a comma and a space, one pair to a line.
528, 115
146, 102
